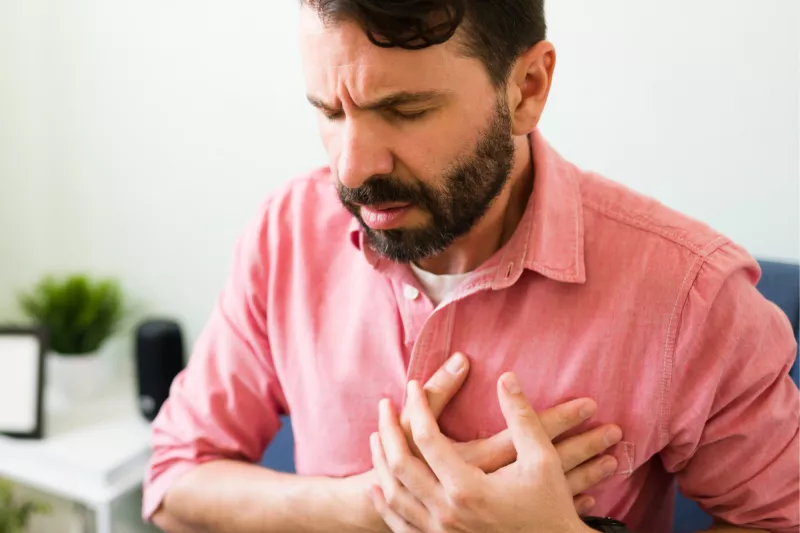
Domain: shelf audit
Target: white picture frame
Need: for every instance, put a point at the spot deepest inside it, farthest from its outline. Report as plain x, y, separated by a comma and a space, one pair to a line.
22, 353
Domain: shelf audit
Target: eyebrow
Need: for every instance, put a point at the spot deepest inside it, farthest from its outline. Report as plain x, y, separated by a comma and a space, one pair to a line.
390, 100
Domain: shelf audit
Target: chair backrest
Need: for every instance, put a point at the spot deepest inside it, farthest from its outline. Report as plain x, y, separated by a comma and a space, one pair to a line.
780, 283
280, 453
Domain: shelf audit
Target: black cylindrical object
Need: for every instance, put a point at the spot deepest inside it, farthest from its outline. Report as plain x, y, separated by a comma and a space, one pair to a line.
159, 358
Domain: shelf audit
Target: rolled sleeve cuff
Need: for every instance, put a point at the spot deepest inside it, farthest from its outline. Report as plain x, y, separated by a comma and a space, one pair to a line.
155, 489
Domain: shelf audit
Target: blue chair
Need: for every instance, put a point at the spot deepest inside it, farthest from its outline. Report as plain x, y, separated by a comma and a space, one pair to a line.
780, 283
280, 453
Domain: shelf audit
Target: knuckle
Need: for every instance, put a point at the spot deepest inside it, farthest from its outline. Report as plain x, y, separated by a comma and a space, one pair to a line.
523, 411
563, 418
447, 520
398, 467
559, 419
459, 497
425, 436
414, 449
591, 447
436, 385
405, 423
400, 526
588, 478
596, 448
468, 451
545, 460
595, 475
390, 494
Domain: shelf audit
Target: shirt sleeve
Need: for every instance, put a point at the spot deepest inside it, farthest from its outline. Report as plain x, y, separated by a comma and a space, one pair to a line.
733, 408
227, 402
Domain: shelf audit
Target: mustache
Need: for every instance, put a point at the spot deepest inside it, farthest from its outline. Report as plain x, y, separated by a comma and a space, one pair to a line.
381, 190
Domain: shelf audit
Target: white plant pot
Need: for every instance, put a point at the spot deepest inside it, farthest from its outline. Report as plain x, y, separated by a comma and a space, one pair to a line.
77, 378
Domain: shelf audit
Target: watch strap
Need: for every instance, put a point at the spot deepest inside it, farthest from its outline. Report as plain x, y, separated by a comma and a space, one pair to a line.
606, 525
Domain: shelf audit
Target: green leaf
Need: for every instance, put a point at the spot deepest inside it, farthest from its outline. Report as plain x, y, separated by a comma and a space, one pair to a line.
79, 313
14, 516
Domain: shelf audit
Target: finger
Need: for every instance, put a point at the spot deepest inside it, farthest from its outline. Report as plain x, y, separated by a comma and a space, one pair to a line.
392, 436
497, 451
591, 474
445, 383
396, 496
402, 465
577, 450
436, 449
527, 433
583, 504
561, 418
439, 390
489, 454
395, 522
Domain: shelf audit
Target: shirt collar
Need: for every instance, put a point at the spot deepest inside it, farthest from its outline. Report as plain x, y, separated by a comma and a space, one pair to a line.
549, 237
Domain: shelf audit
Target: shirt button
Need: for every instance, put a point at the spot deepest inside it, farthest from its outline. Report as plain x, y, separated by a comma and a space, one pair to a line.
411, 293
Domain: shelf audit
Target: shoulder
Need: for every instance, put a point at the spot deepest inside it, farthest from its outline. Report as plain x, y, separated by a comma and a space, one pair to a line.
647, 231
677, 264
301, 217
305, 199
616, 205
306, 206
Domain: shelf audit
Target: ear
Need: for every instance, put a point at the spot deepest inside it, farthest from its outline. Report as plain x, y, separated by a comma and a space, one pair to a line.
529, 86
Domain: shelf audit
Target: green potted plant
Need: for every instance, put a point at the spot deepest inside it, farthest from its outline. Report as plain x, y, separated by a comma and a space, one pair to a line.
14, 515
80, 315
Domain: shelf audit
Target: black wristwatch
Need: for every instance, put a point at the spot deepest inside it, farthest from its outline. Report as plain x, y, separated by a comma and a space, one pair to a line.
606, 525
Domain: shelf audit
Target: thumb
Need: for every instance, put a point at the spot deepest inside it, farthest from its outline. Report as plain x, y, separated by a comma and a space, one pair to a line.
527, 433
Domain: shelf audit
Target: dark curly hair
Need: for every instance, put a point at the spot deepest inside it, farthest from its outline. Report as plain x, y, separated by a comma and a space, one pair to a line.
494, 31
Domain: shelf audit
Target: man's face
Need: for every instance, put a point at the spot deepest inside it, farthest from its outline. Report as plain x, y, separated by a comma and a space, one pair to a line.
419, 141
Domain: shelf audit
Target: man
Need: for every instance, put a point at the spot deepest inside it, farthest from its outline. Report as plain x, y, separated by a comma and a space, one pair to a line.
445, 223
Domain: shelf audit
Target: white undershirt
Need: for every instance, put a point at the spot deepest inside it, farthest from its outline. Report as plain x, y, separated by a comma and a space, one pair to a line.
437, 286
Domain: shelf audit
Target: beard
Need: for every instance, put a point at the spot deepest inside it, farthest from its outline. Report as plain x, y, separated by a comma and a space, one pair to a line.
454, 202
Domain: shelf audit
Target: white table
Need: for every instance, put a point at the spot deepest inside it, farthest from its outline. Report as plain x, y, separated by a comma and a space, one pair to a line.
93, 452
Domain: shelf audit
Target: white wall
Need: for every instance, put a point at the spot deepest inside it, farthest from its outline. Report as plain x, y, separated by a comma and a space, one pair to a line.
25, 228
693, 102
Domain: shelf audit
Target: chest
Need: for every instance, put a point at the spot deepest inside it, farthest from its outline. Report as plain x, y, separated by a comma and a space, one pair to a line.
361, 347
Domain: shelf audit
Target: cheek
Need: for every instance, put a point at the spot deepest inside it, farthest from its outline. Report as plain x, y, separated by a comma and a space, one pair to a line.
431, 149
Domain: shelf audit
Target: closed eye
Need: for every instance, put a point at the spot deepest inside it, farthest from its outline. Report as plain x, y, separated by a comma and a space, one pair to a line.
407, 115
332, 115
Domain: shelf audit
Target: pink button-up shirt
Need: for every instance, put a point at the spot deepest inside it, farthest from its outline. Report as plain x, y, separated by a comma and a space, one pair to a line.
599, 293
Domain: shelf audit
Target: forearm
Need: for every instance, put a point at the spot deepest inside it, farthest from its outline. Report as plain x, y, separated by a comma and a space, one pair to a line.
233, 497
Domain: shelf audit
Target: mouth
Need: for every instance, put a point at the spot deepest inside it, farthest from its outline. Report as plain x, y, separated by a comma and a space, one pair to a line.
384, 216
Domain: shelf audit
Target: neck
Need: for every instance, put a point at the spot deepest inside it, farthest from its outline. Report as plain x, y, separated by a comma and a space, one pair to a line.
495, 228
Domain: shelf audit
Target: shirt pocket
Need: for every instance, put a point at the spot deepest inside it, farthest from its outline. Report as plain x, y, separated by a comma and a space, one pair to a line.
625, 454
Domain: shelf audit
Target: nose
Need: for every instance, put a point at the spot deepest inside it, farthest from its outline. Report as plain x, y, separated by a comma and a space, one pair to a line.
363, 155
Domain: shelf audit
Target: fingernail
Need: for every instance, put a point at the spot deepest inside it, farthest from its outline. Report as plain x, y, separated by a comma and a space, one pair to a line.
609, 467
511, 384
612, 436
585, 411
383, 406
588, 504
455, 364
